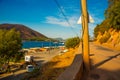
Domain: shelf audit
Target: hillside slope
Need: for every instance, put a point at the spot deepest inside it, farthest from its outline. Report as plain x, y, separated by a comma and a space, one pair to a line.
110, 38
108, 32
26, 33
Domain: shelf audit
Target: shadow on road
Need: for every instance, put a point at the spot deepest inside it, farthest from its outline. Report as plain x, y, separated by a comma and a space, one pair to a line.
110, 58
99, 73
103, 48
14, 76
19, 73
102, 74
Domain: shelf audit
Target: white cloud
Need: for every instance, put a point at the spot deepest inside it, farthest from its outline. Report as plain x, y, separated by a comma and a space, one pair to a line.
61, 21
54, 20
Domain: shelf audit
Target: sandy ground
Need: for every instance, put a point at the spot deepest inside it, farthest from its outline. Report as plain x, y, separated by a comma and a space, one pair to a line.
40, 58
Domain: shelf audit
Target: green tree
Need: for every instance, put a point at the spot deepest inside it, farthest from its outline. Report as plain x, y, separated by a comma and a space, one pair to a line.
112, 18
72, 42
10, 44
104, 26
105, 38
113, 14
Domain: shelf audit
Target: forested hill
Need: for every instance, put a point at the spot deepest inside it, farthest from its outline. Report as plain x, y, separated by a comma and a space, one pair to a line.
108, 32
26, 33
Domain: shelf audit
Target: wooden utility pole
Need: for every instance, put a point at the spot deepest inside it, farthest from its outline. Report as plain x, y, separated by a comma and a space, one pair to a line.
85, 35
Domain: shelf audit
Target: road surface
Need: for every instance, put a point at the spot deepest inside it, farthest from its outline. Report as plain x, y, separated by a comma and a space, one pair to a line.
105, 63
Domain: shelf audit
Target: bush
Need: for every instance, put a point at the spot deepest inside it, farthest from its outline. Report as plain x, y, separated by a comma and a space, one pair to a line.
104, 38
72, 42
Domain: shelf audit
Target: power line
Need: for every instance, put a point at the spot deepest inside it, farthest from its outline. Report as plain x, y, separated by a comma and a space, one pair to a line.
59, 7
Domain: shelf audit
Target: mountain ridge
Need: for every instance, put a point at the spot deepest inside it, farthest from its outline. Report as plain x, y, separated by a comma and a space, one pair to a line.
26, 32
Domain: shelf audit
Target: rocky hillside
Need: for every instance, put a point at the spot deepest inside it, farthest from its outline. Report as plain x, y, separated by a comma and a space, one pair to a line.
110, 38
108, 32
26, 33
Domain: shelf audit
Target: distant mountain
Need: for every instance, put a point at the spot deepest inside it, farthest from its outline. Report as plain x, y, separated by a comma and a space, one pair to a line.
59, 39
26, 33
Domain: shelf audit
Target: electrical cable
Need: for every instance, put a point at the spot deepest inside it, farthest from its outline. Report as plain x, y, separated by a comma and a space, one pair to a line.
59, 7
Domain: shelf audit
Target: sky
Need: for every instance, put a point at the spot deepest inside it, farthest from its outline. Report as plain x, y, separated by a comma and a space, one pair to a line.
45, 16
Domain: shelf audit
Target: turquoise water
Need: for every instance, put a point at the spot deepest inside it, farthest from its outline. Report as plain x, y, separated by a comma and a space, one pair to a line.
32, 44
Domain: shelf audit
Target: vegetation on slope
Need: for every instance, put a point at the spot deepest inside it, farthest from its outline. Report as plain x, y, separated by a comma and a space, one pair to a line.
112, 21
108, 32
25, 32
112, 14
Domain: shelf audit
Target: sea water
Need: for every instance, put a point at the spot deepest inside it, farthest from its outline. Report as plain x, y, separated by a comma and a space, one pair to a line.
33, 44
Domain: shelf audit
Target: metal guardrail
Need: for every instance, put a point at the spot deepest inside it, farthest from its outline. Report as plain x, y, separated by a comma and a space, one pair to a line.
75, 71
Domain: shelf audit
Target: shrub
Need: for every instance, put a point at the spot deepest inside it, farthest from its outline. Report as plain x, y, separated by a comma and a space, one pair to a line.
72, 42
104, 38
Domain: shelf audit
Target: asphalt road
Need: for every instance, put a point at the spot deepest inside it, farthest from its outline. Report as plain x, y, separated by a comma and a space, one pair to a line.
105, 63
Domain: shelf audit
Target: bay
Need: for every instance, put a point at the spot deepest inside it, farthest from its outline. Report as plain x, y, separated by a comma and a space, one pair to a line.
33, 44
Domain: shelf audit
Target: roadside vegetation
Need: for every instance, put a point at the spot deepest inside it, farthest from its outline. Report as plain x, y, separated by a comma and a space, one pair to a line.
10, 46
109, 30
72, 42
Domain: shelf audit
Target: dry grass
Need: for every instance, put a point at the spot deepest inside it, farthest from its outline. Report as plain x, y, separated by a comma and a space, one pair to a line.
52, 69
